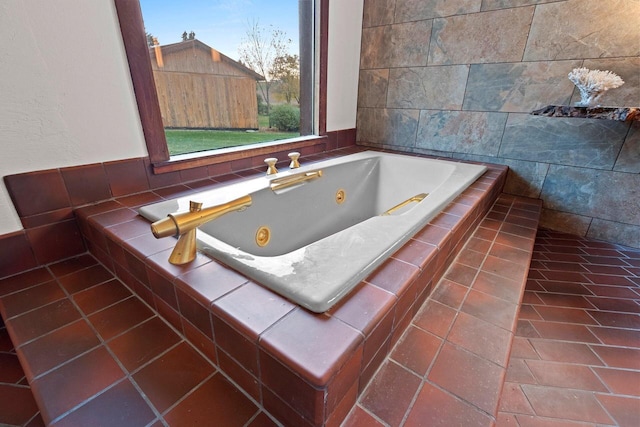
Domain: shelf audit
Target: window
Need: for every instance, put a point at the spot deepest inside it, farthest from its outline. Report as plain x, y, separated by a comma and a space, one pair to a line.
140, 63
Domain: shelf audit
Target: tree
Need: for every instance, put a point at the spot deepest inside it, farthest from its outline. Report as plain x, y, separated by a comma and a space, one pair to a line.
151, 40
286, 70
259, 50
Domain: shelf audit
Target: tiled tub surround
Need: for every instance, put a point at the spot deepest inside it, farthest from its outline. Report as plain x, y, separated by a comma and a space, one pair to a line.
260, 340
458, 78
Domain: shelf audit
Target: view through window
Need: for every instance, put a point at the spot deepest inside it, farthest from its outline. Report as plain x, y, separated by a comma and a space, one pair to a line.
228, 72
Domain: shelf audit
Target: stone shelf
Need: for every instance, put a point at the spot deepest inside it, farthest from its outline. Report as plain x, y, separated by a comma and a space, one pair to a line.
622, 114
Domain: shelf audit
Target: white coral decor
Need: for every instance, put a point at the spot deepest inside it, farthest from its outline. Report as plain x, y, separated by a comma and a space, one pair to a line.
592, 84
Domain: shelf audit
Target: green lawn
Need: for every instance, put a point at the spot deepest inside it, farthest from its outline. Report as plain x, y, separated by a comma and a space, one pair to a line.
190, 141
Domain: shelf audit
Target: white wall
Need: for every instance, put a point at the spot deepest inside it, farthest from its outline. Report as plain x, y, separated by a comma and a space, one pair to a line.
66, 95
345, 30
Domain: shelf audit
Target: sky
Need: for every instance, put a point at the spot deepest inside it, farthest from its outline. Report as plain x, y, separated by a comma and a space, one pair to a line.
221, 24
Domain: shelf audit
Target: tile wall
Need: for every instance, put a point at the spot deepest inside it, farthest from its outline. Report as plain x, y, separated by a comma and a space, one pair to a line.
460, 77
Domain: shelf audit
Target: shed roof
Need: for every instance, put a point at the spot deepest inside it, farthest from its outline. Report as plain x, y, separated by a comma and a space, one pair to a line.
197, 44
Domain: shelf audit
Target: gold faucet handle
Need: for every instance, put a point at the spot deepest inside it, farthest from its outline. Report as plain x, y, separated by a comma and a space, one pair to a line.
294, 160
271, 165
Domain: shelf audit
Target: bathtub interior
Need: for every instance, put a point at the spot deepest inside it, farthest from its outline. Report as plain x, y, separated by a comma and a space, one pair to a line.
346, 194
321, 249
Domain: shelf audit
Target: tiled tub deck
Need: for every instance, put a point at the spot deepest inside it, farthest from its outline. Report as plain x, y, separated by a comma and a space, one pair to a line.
259, 340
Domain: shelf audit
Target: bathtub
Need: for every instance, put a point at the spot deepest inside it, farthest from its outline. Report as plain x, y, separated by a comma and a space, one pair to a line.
312, 234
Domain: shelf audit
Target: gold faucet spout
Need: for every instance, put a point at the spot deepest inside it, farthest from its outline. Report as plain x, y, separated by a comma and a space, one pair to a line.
184, 225
290, 181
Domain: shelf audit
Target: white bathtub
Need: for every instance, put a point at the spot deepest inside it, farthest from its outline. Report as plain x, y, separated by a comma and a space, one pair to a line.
318, 248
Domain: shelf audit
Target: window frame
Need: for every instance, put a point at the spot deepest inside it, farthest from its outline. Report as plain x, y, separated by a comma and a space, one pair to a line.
131, 23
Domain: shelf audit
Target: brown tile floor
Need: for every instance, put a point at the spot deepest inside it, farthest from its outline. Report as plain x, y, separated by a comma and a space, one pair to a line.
111, 350
575, 360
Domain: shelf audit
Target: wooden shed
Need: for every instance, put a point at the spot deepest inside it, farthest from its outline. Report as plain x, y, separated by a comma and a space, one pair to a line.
200, 88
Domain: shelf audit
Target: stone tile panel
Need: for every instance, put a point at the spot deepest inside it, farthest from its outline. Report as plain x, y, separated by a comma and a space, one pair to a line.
612, 231
410, 43
377, 12
569, 223
587, 143
375, 51
387, 126
584, 29
519, 87
496, 36
413, 10
400, 45
461, 131
629, 157
506, 4
372, 88
440, 88
589, 192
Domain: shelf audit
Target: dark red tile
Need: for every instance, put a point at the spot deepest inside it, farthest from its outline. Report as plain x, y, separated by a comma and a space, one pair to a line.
513, 400
436, 318
37, 192
80, 379
522, 348
461, 274
86, 184
618, 357
565, 315
170, 377
209, 282
126, 176
139, 345
615, 304
42, 320
394, 276
300, 398
449, 293
86, 278
358, 417
216, 399
565, 332
317, 360
434, 407
518, 371
481, 338
620, 381
390, 393
616, 320
251, 309
16, 255
364, 308
120, 317
564, 287
68, 341
566, 404
24, 280
72, 265
101, 296
17, 405
617, 337
121, 405
416, 350
469, 377
11, 372
569, 352
196, 313
567, 301
56, 241
565, 375
624, 410
493, 310
28, 299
